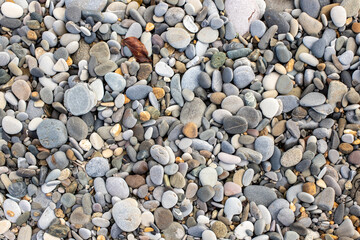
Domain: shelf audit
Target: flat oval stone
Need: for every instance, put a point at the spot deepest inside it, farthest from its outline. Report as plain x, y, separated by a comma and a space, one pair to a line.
177, 38
235, 125
207, 35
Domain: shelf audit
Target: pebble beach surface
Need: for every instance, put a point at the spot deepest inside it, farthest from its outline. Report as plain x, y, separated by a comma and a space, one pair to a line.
179, 119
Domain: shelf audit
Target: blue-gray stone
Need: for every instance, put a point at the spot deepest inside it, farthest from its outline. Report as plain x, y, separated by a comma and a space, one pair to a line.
138, 92
52, 133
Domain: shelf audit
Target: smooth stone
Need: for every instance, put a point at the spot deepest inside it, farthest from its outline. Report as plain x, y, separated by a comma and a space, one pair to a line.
272, 17
235, 124
169, 199
138, 92
325, 199
160, 154
311, 25
291, 157
79, 99
311, 7
116, 186
269, 107
97, 167
264, 145
338, 16
312, 99
11, 10
207, 35
260, 194
208, 176
257, 28
178, 38
52, 133
87, 4
11, 125
243, 76
163, 69
115, 81
127, 215
10, 206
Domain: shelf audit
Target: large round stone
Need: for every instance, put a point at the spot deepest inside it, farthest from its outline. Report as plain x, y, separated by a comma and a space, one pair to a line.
52, 133
79, 99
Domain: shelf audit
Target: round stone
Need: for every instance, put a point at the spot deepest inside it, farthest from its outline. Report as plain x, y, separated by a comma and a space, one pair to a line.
284, 85
269, 107
52, 133
354, 158
235, 124
116, 186
68, 199
11, 10
11, 125
291, 157
169, 199
77, 128
79, 99
264, 145
207, 35
286, 216
257, 28
4, 226
57, 161
21, 89
190, 130
160, 154
12, 210
163, 217
178, 38
208, 176
243, 76
97, 167
338, 16
115, 81
127, 215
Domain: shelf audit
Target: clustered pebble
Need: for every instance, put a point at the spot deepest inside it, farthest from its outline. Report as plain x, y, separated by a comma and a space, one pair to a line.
180, 119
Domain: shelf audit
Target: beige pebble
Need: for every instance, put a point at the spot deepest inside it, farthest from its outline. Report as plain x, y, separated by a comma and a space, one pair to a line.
4, 226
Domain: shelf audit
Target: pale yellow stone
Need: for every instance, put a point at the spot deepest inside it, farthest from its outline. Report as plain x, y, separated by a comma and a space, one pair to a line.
65, 173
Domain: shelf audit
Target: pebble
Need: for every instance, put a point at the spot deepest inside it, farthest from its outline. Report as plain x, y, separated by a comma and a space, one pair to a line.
11, 125
243, 76
11, 10
218, 119
127, 215
79, 100
338, 16
178, 38
52, 133
97, 167
117, 186
260, 194
208, 176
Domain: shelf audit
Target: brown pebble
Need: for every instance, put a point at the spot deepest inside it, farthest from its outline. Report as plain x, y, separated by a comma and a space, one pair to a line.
279, 128
217, 97
158, 92
356, 27
346, 148
309, 188
135, 181
145, 116
219, 228
190, 130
